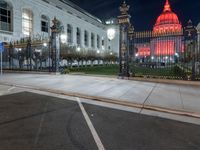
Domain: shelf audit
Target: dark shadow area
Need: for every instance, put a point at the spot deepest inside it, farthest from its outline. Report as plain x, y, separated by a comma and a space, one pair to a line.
30, 121
121, 130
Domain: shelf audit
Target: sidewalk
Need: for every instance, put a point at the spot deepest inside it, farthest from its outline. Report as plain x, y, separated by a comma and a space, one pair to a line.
126, 92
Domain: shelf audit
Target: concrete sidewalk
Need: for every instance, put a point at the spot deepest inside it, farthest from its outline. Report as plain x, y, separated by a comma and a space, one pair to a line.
173, 97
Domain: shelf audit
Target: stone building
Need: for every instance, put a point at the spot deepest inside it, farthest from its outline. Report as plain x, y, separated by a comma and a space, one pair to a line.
25, 18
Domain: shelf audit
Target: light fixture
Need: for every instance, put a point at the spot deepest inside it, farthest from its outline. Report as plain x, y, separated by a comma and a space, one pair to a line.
63, 38
111, 33
45, 44
78, 49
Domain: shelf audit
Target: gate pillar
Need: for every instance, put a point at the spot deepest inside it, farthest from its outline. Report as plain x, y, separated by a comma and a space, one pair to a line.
124, 23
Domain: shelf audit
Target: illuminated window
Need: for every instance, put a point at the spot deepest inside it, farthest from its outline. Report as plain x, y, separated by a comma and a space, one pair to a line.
69, 34
5, 16
27, 22
45, 24
86, 38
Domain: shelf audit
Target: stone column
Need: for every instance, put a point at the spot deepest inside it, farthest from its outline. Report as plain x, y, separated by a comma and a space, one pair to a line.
82, 39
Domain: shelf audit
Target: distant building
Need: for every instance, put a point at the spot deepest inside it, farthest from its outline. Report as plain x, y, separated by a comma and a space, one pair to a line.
32, 18
198, 39
164, 43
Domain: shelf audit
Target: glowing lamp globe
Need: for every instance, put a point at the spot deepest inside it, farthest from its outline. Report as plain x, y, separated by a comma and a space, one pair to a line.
78, 49
111, 33
63, 38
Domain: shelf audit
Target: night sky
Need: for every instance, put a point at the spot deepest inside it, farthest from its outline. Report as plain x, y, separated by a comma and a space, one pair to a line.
144, 12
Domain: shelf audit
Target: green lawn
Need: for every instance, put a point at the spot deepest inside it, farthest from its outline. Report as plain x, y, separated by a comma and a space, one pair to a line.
153, 71
139, 71
97, 70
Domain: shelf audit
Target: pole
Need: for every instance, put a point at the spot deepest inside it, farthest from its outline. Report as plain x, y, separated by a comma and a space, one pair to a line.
1, 65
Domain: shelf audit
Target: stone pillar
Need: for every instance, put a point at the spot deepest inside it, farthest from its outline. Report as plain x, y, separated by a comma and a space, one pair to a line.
95, 41
74, 35
89, 40
82, 38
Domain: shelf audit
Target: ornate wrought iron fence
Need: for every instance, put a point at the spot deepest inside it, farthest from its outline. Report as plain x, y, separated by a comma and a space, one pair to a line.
36, 55
27, 55
166, 55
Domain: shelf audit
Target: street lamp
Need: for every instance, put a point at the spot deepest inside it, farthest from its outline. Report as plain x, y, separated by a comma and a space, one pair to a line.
111, 33
63, 38
45, 44
78, 49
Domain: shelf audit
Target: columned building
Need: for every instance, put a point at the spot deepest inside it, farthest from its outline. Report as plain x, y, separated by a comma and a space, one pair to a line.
198, 40
33, 18
164, 43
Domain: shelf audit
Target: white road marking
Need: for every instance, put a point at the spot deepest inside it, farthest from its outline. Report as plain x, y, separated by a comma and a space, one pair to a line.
91, 127
10, 89
40, 126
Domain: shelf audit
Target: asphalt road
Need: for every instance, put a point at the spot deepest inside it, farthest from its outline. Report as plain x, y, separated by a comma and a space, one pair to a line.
30, 121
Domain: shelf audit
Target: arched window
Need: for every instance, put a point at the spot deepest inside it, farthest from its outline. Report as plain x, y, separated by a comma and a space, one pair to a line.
86, 38
92, 40
6, 21
44, 24
27, 22
69, 34
98, 41
78, 36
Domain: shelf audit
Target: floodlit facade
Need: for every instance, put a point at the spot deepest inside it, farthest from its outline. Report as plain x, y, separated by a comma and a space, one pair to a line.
165, 41
198, 38
33, 18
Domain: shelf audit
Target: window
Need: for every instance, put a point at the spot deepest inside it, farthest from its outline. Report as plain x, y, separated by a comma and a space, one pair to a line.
86, 38
44, 24
69, 34
5, 16
98, 41
92, 40
78, 36
102, 43
27, 22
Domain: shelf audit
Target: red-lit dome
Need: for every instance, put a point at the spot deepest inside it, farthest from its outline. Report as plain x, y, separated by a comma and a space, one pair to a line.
167, 21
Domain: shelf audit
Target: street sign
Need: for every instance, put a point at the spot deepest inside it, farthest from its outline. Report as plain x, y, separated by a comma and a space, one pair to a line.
1, 47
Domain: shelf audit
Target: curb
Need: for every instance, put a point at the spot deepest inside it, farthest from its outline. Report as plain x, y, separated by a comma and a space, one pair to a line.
168, 81
113, 101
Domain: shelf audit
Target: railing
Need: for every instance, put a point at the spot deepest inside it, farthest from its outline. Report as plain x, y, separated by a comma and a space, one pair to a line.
166, 55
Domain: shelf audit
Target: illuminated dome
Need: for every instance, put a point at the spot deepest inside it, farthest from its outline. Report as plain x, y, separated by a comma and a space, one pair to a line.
167, 21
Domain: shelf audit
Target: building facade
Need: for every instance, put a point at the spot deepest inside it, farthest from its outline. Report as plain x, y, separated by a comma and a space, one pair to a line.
33, 18
164, 43
198, 39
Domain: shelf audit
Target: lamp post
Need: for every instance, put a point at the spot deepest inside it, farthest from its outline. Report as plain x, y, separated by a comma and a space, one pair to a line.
10, 55
111, 33
29, 52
